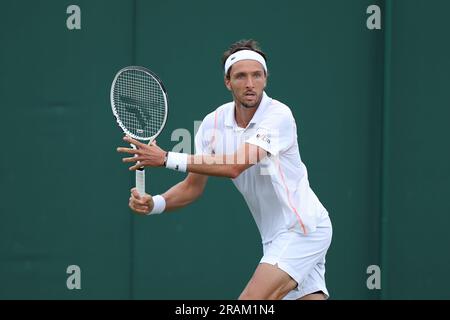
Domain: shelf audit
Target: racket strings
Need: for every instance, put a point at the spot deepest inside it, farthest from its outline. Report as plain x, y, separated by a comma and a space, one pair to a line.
140, 103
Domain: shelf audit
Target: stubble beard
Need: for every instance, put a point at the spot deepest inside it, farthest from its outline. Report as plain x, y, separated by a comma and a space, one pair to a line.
250, 106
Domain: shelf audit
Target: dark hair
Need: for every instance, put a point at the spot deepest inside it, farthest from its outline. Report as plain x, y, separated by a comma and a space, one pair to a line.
244, 44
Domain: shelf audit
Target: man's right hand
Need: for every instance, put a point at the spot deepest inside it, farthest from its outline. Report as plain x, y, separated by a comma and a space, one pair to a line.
140, 204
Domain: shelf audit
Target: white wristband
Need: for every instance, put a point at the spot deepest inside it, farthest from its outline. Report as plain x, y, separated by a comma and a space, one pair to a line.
177, 161
159, 205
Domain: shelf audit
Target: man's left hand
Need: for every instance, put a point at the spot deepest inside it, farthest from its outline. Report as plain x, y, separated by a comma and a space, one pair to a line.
144, 155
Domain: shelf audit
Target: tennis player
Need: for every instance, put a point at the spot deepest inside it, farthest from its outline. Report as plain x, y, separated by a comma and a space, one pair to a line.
253, 141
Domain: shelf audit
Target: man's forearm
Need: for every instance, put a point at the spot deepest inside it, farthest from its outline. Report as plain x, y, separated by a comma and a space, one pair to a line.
180, 195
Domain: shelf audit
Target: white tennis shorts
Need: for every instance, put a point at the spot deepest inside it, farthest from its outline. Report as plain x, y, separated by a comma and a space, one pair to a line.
302, 257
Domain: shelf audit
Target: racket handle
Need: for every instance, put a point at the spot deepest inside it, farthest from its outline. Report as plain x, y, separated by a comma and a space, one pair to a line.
140, 181
140, 178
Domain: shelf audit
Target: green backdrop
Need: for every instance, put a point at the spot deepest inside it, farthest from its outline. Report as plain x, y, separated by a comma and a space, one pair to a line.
371, 106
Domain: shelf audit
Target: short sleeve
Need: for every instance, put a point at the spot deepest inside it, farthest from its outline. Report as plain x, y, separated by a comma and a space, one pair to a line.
204, 137
199, 145
275, 133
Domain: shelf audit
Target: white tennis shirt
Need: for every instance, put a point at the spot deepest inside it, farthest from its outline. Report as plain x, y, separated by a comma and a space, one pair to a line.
276, 189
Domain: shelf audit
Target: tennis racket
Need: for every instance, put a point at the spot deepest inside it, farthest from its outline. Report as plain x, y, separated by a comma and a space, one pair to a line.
139, 103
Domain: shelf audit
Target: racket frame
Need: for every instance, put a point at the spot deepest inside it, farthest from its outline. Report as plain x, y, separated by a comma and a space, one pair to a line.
140, 173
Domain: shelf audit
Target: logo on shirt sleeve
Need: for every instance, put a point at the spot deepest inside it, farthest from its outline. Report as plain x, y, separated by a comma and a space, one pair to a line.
263, 135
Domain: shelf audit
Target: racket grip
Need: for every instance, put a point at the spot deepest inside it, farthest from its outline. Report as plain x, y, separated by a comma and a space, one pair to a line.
140, 181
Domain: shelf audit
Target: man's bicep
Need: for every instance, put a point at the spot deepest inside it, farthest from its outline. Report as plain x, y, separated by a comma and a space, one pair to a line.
249, 154
256, 153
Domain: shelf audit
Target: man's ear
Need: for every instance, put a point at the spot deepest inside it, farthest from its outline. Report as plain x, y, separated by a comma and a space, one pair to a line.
227, 82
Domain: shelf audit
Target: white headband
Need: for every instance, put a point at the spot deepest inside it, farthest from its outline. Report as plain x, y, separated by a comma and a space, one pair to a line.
244, 55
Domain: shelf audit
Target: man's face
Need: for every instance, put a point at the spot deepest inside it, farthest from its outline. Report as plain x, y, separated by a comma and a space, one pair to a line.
247, 82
